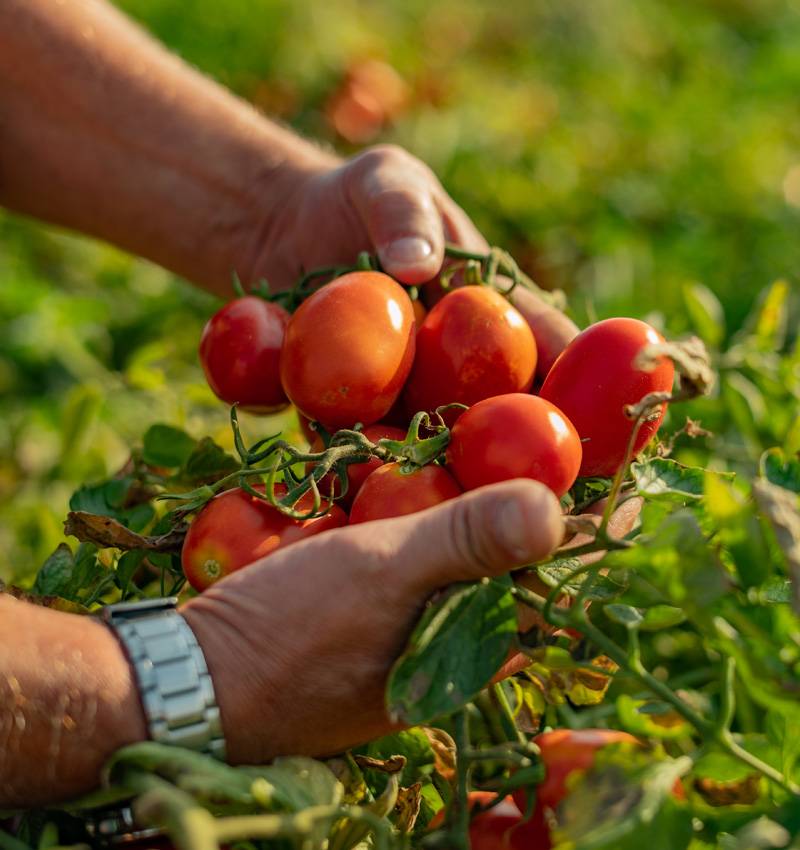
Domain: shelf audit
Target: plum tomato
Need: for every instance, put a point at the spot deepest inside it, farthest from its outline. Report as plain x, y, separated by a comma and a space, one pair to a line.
592, 381
348, 350
514, 436
565, 751
498, 828
357, 473
234, 529
389, 492
472, 345
240, 351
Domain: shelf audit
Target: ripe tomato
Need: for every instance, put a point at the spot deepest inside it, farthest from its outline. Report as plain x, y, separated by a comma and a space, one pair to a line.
514, 436
357, 472
593, 380
472, 345
240, 352
234, 529
348, 350
499, 828
388, 492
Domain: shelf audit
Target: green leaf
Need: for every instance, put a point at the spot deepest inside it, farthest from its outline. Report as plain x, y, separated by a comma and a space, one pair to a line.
127, 565
662, 478
624, 615
781, 470
460, 642
55, 575
300, 783
705, 313
624, 803
769, 329
745, 403
207, 462
739, 531
164, 445
661, 617
108, 498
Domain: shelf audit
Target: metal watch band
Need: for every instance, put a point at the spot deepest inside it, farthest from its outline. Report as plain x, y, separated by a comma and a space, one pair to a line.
174, 682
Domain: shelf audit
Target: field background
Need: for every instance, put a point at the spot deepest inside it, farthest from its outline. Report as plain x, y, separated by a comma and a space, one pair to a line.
620, 150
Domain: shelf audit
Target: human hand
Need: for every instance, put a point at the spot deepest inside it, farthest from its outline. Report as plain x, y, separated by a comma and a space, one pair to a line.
383, 200
300, 645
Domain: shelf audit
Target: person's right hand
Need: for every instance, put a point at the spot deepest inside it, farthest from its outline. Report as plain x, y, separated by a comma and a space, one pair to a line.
300, 644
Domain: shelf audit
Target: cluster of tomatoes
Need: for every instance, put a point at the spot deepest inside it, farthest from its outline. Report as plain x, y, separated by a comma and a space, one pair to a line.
360, 353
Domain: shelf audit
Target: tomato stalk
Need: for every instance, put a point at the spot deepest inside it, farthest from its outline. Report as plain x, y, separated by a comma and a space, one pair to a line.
459, 813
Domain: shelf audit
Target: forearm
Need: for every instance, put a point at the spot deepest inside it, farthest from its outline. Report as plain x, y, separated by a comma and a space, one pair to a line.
103, 131
67, 702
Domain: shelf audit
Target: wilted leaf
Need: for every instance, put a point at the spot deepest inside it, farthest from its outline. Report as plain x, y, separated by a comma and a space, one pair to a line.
651, 719
458, 645
57, 603
444, 752
406, 809
106, 532
742, 792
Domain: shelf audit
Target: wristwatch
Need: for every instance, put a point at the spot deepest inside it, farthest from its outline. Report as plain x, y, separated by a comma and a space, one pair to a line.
174, 683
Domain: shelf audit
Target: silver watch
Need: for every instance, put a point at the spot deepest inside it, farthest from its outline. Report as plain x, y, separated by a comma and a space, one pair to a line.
174, 682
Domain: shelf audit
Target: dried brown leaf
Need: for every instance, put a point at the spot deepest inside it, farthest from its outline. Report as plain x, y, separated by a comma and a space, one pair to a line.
106, 532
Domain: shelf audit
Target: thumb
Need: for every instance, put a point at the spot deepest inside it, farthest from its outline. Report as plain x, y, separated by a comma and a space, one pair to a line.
394, 197
484, 533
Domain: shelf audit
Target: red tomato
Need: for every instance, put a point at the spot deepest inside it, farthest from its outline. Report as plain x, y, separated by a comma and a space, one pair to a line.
592, 381
348, 350
234, 529
240, 353
472, 345
388, 492
357, 472
499, 828
565, 754
514, 436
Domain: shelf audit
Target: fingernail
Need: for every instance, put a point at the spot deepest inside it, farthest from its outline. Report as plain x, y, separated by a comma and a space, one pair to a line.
511, 525
408, 251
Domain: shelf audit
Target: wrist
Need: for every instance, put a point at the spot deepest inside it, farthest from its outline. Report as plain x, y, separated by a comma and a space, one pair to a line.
74, 702
245, 683
279, 195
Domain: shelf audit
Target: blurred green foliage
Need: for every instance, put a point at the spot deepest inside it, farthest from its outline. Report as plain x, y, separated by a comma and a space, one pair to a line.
619, 150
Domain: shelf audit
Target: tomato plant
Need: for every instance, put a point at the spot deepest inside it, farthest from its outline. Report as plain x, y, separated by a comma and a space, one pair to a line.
514, 436
348, 350
236, 528
357, 473
472, 345
594, 379
389, 492
240, 354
